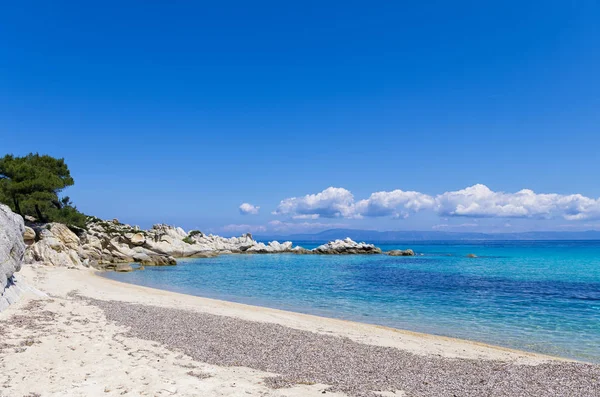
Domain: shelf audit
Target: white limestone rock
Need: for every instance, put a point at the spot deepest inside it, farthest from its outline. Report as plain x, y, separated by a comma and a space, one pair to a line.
12, 249
272, 248
346, 247
52, 249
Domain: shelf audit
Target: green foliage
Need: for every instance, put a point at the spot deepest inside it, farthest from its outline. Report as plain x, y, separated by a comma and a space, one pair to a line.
194, 233
94, 219
68, 214
188, 240
31, 185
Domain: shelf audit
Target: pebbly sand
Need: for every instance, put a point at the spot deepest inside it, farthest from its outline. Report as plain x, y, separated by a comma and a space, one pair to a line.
96, 337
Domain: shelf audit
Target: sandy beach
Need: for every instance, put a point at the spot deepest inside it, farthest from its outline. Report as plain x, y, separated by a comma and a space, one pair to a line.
90, 336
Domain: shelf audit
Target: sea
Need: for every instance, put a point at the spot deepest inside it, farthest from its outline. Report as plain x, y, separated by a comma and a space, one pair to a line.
538, 296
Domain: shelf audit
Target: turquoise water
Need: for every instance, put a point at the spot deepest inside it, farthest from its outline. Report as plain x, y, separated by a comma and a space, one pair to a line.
537, 296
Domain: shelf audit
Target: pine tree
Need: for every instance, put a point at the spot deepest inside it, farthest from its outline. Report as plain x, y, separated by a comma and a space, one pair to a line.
31, 185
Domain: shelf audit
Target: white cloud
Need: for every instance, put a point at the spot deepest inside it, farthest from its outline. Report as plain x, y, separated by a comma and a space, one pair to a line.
477, 201
332, 202
248, 209
396, 203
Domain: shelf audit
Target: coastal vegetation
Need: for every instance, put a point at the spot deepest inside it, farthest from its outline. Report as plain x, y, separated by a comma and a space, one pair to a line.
32, 185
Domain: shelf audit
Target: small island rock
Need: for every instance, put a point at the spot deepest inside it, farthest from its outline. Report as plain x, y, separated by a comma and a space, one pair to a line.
407, 252
346, 247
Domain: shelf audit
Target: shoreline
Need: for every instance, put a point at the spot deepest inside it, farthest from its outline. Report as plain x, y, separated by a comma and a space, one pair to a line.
340, 322
423, 336
91, 335
379, 335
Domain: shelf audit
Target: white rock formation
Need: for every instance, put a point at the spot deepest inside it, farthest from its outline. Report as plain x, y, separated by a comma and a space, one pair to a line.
106, 243
58, 246
346, 246
273, 247
12, 248
100, 245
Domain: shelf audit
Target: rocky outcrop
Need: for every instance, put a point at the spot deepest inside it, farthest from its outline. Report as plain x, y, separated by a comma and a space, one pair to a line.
345, 247
407, 252
12, 248
195, 244
57, 246
103, 244
100, 245
273, 247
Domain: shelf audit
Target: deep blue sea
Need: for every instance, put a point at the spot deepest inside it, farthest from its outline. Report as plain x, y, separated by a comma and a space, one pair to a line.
536, 296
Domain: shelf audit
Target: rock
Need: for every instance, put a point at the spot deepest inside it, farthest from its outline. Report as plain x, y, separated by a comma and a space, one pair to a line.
116, 221
345, 247
107, 242
137, 239
52, 252
272, 248
30, 219
29, 235
65, 235
407, 252
162, 260
123, 267
471, 256
12, 249
57, 246
206, 254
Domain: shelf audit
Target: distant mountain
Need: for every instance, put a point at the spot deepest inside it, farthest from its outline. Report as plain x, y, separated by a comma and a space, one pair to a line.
373, 236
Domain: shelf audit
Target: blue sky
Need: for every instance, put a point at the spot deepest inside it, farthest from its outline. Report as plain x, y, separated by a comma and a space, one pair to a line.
179, 112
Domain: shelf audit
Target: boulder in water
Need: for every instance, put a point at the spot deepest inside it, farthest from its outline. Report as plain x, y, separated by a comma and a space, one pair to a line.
346, 247
123, 268
407, 252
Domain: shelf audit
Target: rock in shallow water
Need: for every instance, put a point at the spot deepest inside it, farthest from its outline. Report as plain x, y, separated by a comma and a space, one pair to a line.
407, 252
345, 247
123, 268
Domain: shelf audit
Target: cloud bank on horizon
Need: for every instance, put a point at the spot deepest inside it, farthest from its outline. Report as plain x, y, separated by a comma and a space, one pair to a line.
477, 201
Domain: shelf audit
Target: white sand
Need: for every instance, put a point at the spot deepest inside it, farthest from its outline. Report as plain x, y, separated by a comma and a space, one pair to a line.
81, 354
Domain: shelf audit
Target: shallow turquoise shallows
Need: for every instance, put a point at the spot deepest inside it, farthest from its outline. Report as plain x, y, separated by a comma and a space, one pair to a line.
537, 296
